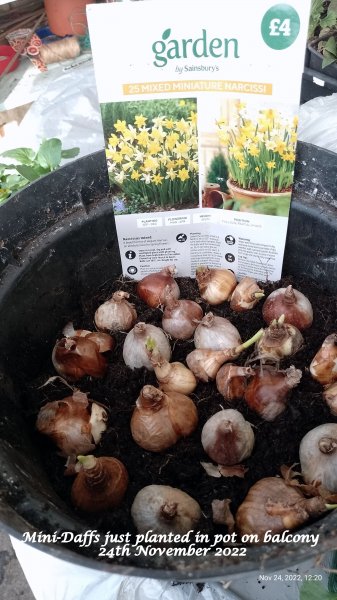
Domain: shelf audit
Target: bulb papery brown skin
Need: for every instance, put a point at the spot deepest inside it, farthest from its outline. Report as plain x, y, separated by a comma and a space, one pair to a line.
318, 456
291, 303
160, 420
330, 397
206, 363
227, 437
323, 366
104, 341
215, 285
70, 331
75, 357
181, 317
174, 376
100, 484
279, 340
216, 333
246, 295
74, 423
153, 288
268, 390
163, 509
231, 381
116, 314
135, 352
272, 505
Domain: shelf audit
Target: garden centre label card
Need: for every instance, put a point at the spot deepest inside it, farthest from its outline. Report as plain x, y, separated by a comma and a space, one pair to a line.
199, 105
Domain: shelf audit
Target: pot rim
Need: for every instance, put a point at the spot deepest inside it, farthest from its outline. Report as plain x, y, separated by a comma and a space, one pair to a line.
254, 193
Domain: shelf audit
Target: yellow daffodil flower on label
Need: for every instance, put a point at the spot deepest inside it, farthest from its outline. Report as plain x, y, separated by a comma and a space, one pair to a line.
140, 121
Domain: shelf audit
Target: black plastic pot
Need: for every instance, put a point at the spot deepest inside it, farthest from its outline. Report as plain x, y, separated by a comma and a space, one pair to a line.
316, 57
58, 242
317, 81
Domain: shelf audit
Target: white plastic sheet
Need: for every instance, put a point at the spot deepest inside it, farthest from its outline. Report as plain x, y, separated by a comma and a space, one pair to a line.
53, 579
318, 122
68, 109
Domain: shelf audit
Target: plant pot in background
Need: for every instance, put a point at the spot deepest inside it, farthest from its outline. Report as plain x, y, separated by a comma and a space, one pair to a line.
213, 197
317, 81
67, 17
59, 244
316, 57
258, 202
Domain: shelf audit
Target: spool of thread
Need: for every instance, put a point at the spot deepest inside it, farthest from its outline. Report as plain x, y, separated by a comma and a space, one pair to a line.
60, 50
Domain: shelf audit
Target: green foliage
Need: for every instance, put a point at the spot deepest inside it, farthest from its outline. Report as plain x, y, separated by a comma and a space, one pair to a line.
329, 51
316, 15
332, 580
313, 590
218, 172
134, 204
31, 165
277, 206
260, 148
323, 23
126, 111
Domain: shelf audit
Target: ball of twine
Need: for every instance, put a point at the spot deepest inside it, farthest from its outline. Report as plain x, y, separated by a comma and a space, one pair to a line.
60, 50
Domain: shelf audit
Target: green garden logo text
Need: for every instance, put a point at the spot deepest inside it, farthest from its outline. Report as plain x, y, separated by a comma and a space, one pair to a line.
168, 49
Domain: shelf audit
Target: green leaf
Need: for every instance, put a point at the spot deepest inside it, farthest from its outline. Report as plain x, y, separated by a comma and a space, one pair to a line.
6, 167
15, 183
4, 194
22, 155
328, 59
313, 590
166, 34
49, 154
31, 165
331, 45
330, 19
315, 15
332, 6
277, 206
70, 153
30, 173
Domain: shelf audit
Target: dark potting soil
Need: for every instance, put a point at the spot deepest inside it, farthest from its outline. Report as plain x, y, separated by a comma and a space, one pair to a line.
276, 443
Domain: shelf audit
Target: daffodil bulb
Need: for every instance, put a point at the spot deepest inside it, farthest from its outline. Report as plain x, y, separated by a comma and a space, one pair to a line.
164, 509
318, 456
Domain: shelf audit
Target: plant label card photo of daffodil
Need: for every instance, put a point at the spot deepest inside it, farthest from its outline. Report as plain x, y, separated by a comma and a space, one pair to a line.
199, 112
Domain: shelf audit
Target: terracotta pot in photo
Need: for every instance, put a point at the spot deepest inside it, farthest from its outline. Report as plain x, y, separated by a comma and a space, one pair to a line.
248, 198
213, 197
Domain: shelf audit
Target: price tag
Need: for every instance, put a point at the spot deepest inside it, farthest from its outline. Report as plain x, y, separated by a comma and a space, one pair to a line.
280, 26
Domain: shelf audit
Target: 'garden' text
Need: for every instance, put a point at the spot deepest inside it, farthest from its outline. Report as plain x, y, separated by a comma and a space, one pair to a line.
168, 49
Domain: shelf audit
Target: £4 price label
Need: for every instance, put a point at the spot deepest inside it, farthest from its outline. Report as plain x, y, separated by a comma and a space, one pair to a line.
280, 26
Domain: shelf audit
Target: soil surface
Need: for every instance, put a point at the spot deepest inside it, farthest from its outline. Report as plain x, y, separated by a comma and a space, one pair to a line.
276, 443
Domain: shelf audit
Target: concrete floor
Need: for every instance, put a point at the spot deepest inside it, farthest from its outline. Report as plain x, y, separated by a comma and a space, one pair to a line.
13, 584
